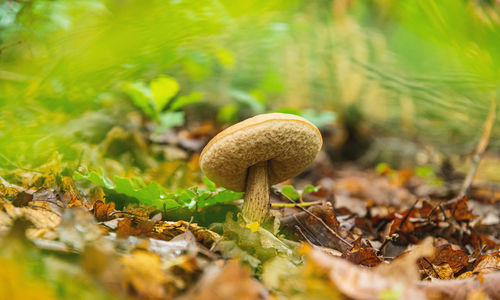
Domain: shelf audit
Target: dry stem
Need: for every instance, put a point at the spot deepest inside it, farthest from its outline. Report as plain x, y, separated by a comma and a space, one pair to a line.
480, 148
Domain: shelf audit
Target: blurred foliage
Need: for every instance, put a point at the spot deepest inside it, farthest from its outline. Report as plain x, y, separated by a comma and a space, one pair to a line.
74, 73
31, 273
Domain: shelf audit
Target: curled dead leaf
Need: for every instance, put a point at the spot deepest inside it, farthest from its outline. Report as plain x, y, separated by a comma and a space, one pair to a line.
102, 211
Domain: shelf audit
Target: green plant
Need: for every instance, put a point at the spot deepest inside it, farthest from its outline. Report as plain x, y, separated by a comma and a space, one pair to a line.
318, 118
292, 193
160, 100
155, 195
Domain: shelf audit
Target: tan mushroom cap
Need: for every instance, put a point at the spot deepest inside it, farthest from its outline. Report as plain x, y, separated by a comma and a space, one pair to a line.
288, 142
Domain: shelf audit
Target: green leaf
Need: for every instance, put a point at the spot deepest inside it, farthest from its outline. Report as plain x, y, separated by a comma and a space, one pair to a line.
382, 167
248, 100
152, 194
94, 177
290, 192
231, 249
182, 101
310, 188
225, 57
289, 110
425, 171
319, 118
220, 197
228, 114
141, 96
170, 119
209, 183
163, 89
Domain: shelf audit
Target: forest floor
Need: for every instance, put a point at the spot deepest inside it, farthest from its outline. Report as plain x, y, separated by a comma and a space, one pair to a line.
339, 232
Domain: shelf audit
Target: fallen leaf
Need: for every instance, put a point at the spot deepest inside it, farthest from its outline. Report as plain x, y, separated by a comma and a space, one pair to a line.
129, 226
318, 226
487, 263
359, 283
22, 199
171, 230
43, 221
460, 210
143, 275
449, 254
79, 229
362, 254
102, 211
460, 289
230, 282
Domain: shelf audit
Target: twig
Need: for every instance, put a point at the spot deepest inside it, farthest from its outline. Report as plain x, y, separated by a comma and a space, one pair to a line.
316, 217
407, 214
391, 238
432, 267
303, 204
307, 231
303, 235
480, 148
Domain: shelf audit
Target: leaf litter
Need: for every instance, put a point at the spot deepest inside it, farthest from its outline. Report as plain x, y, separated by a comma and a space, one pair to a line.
365, 235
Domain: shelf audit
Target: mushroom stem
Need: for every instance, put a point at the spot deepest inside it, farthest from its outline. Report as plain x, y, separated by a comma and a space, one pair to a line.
256, 204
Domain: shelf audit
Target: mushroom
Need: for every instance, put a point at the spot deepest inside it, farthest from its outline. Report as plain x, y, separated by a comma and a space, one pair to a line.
258, 152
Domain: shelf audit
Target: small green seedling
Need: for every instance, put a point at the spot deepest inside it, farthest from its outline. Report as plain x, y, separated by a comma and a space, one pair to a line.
297, 195
160, 100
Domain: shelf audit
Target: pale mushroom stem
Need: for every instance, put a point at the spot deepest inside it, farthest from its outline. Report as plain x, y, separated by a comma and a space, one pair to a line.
256, 204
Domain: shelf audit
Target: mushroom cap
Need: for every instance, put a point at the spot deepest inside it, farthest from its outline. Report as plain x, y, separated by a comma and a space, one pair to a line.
288, 143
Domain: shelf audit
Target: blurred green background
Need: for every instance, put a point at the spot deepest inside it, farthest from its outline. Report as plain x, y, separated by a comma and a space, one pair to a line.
78, 75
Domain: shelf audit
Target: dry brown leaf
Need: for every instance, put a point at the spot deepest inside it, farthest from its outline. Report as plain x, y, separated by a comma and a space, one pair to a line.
140, 213
44, 221
22, 199
441, 272
172, 229
359, 283
231, 282
460, 289
102, 211
129, 226
449, 254
460, 211
143, 275
362, 254
319, 226
487, 263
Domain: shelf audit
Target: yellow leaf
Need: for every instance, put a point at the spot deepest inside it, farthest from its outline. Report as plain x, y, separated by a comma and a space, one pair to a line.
254, 227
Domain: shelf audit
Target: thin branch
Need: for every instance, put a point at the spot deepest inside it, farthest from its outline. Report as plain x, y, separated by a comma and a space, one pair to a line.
303, 204
318, 242
432, 267
405, 218
303, 235
481, 147
316, 217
